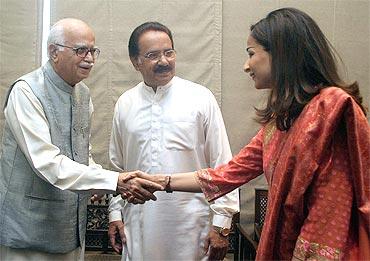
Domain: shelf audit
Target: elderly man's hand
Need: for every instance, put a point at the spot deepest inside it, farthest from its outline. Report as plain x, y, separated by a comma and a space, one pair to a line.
116, 233
216, 245
137, 187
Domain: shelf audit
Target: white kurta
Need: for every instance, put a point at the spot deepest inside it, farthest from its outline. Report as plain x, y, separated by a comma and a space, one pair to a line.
177, 129
25, 116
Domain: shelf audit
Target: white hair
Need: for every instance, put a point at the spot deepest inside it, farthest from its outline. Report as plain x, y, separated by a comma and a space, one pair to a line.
56, 35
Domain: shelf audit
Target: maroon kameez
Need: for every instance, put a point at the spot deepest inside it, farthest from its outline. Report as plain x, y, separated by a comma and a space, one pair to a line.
318, 176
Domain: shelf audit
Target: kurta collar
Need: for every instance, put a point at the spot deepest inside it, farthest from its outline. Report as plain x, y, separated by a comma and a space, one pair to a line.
56, 79
160, 89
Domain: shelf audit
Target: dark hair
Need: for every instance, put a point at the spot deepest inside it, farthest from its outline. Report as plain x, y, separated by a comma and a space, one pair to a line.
133, 43
302, 57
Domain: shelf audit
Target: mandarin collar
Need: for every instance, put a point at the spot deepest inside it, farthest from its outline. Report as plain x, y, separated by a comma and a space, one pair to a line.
56, 79
160, 89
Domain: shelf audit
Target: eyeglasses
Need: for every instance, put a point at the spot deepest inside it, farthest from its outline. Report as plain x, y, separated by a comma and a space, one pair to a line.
83, 51
157, 55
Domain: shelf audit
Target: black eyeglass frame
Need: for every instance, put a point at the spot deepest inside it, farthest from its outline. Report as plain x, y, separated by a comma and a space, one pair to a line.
82, 51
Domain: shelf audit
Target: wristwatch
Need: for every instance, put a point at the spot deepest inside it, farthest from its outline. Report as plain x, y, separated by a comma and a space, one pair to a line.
167, 187
223, 231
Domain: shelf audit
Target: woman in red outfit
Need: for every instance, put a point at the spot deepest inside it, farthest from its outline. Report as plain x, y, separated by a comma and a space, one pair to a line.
313, 147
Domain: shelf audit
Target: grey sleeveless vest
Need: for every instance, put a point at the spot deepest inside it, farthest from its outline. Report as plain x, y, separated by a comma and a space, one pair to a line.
35, 214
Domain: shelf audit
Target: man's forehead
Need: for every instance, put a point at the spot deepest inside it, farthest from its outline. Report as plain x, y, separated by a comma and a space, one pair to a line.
80, 39
154, 41
83, 44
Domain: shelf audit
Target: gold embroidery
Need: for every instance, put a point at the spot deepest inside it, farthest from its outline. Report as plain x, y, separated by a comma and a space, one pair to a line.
204, 179
314, 251
269, 131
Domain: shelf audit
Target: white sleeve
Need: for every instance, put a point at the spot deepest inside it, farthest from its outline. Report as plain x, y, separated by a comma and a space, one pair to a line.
116, 146
116, 160
217, 150
25, 116
115, 207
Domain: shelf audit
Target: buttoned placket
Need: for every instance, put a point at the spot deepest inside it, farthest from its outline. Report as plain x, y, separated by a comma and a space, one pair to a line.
156, 129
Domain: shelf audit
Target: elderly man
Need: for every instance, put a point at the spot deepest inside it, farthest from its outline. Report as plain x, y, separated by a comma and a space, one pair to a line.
46, 172
166, 124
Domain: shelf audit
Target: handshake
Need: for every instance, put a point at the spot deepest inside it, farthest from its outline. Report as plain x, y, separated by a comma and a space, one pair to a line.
137, 187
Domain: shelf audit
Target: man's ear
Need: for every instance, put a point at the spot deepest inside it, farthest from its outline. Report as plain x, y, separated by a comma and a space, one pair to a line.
136, 62
53, 52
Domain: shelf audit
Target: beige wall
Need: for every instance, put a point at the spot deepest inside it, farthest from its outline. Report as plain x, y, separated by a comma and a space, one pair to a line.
20, 42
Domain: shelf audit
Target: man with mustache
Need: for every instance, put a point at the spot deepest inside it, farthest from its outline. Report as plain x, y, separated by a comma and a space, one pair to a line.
166, 124
46, 171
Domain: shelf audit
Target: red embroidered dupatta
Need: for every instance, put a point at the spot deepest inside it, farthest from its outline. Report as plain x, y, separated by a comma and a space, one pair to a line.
318, 173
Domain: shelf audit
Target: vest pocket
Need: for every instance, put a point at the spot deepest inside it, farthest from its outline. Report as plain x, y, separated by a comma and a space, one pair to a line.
43, 198
44, 191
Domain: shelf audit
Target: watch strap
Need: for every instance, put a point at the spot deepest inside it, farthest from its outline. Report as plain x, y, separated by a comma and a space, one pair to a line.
168, 188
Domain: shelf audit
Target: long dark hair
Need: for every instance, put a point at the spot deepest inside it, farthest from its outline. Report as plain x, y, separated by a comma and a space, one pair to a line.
302, 58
